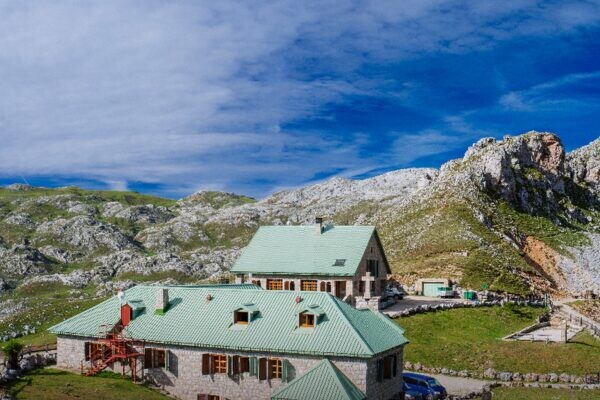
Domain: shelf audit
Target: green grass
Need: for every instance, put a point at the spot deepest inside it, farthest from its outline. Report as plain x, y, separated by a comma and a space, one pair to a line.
53, 384
125, 197
180, 277
508, 393
430, 240
48, 303
470, 339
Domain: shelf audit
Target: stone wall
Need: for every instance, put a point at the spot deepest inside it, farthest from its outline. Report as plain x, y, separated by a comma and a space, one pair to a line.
184, 378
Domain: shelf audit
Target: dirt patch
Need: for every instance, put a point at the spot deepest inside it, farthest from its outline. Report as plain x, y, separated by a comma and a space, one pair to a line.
589, 308
545, 260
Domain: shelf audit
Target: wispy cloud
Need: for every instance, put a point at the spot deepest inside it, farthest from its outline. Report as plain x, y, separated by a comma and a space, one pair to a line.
186, 95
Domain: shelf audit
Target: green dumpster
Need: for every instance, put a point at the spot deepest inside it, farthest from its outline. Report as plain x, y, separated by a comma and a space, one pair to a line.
469, 295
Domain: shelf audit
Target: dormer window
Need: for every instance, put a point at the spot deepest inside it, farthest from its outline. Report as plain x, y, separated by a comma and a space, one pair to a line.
241, 317
307, 320
309, 316
339, 262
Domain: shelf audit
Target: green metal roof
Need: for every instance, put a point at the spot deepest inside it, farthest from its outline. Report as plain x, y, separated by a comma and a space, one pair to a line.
194, 320
323, 381
299, 250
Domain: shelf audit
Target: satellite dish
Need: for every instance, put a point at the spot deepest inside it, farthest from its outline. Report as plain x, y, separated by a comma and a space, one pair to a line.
121, 295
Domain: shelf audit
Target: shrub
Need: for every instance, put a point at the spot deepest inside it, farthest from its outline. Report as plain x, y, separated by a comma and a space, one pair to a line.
12, 351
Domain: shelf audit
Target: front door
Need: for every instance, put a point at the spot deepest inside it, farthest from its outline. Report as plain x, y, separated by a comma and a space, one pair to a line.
340, 289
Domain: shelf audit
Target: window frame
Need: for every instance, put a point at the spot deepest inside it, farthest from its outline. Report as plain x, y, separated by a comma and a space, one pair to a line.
274, 284
309, 285
307, 320
275, 366
240, 321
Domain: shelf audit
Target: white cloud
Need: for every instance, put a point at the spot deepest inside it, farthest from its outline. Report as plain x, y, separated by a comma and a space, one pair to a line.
195, 94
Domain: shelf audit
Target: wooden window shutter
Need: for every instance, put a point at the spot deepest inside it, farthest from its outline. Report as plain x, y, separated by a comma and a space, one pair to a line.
148, 358
262, 369
380, 370
395, 365
205, 364
253, 366
285, 366
235, 369
87, 350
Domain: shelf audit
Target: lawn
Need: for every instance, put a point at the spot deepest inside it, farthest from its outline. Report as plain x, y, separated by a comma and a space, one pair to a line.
470, 339
505, 393
53, 384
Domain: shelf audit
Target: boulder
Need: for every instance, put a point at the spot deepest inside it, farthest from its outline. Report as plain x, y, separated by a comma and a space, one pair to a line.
490, 373
505, 376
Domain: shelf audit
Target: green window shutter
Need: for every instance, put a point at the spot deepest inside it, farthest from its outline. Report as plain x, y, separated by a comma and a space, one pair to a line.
285, 365
253, 366
229, 366
167, 360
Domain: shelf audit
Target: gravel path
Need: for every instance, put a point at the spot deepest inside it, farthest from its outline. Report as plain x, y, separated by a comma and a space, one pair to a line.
414, 301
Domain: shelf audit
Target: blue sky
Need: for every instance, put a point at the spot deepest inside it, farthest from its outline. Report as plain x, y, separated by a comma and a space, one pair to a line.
251, 97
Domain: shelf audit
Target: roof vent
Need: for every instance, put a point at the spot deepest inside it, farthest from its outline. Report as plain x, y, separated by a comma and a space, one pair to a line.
339, 262
298, 299
209, 297
121, 296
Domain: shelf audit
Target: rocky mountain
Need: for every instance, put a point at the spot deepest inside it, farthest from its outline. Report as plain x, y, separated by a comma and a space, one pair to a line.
518, 215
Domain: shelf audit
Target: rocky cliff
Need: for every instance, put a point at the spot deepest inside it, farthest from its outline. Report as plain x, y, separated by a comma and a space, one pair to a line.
516, 215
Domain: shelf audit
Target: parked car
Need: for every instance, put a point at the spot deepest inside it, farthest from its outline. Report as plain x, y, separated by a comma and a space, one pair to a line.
445, 292
411, 394
393, 292
427, 386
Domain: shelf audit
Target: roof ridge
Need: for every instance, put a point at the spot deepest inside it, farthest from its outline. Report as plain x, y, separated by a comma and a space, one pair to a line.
338, 380
353, 328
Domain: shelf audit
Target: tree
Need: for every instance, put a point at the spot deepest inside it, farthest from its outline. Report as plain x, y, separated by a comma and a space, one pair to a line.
12, 352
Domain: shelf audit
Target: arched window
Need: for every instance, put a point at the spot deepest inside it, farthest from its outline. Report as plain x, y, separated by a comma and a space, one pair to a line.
328, 287
286, 285
292, 285
322, 286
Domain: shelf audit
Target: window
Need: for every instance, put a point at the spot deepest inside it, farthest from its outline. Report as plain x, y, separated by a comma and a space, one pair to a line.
96, 351
256, 282
155, 358
214, 364
220, 363
373, 267
361, 287
274, 284
241, 317
275, 368
387, 367
309, 286
211, 397
307, 320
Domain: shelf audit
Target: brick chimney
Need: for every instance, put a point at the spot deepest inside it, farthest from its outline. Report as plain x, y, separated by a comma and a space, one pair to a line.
162, 300
318, 225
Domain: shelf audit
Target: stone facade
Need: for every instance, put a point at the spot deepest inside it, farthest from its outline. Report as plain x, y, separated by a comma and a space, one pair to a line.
364, 283
184, 378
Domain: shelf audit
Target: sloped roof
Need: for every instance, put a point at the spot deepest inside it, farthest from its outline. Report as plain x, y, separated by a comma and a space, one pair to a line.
323, 381
195, 321
299, 250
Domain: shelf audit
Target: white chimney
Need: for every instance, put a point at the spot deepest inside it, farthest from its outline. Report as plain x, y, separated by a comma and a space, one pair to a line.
162, 300
121, 296
318, 225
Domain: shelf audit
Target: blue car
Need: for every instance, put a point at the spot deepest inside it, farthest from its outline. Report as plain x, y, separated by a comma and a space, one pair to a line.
411, 394
427, 386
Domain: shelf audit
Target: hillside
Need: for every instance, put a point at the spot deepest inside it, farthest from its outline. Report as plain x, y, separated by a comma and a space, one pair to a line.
518, 215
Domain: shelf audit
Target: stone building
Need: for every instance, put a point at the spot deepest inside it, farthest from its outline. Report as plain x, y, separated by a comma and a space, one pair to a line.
239, 342
346, 261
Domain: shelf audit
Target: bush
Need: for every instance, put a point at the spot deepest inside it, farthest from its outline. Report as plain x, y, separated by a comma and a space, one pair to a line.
12, 351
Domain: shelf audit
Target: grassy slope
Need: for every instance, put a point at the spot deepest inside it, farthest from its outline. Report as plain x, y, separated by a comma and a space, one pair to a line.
471, 339
442, 237
505, 393
49, 304
52, 384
